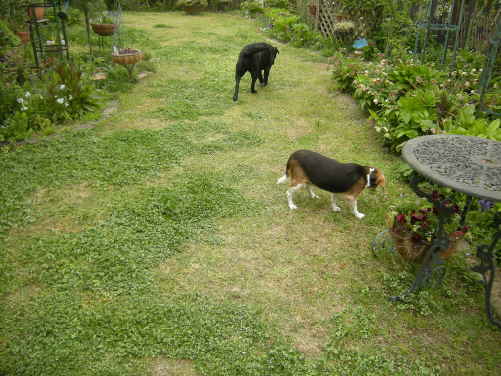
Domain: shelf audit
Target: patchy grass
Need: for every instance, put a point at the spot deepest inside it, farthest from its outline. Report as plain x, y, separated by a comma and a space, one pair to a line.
158, 242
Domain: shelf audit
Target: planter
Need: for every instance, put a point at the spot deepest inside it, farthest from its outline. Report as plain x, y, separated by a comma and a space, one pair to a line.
36, 12
414, 250
104, 29
24, 36
342, 17
127, 56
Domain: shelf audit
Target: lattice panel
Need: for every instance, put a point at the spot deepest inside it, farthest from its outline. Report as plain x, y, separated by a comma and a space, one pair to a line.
327, 17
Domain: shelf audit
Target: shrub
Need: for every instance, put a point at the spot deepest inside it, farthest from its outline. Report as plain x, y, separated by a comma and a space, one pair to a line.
63, 94
7, 38
192, 5
466, 123
282, 21
407, 100
251, 8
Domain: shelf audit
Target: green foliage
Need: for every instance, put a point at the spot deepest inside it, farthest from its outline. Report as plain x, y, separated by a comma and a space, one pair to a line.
9, 95
7, 38
345, 71
408, 100
282, 21
251, 8
468, 124
283, 4
289, 27
192, 4
63, 94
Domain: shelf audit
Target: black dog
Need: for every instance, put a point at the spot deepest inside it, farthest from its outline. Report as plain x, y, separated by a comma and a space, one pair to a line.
254, 58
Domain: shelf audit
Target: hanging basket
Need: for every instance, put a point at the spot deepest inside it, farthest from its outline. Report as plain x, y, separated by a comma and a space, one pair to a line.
104, 29
127, 56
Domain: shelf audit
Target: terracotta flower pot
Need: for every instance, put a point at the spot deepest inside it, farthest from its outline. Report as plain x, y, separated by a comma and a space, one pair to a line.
24, 36
104, 29
36, 12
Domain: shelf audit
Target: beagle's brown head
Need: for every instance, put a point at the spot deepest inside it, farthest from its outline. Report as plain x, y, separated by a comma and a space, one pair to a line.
376, 177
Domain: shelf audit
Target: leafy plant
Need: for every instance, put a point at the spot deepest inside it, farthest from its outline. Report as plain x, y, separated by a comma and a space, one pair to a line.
466, 123
282, 21
7, 38
251, 8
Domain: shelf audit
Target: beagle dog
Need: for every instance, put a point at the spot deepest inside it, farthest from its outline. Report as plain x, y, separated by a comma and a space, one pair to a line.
305, 168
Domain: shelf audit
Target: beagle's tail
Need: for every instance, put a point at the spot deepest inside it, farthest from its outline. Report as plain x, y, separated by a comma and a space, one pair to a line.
283, 179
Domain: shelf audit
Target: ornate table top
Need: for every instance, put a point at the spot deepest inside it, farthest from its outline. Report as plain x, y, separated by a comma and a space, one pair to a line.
471, 165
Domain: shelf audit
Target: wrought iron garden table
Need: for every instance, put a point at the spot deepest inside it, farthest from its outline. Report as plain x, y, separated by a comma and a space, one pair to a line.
470, 165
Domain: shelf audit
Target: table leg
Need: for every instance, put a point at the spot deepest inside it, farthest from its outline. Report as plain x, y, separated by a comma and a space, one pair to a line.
433, 266
487, 267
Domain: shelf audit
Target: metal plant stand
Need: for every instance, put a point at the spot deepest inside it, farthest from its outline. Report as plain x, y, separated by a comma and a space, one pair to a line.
37, 26
428, 26
470, 165
488, 69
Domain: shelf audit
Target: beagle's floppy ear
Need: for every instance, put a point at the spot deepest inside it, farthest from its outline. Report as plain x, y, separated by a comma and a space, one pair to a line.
380, 179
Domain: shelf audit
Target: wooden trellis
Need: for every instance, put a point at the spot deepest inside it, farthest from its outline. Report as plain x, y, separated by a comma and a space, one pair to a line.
325, 16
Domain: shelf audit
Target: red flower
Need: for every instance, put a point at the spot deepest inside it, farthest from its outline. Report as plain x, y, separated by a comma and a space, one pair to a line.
400, 218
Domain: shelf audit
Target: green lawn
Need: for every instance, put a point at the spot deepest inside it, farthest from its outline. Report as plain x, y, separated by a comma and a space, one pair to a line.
157, 242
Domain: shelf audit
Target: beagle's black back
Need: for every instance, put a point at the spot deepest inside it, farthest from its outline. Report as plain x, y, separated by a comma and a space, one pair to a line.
327, 173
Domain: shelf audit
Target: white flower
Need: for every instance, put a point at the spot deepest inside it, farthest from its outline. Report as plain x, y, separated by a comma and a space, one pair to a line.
70, 97
62, 87
60, 100
20, 100
28, 94
375, 101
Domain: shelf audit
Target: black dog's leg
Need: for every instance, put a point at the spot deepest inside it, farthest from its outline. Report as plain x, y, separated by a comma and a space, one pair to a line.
237, 86
266, 75
254, 75
260, 78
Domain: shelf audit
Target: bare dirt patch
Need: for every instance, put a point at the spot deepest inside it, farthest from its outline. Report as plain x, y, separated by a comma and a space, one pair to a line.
168, 367
282, 267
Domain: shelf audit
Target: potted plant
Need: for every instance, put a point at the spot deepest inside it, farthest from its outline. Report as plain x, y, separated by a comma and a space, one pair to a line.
192, 6
412, 229
344, 30
127, 57
16, 21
